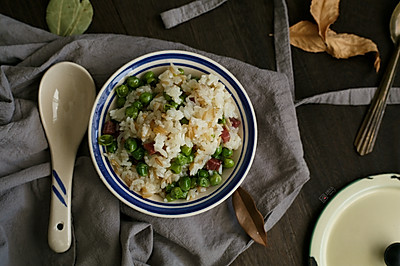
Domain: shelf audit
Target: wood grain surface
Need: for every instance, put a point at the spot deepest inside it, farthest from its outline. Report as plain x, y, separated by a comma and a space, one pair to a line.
244, 30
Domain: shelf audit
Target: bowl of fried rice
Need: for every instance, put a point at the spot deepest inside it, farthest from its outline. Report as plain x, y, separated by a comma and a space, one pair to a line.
172, 134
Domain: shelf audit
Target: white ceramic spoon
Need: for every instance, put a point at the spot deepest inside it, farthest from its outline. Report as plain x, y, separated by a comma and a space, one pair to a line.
66, 97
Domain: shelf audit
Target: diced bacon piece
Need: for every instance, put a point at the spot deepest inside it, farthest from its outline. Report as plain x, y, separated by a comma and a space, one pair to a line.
225, 135
213, 164
149, 147
234, 122
110, 128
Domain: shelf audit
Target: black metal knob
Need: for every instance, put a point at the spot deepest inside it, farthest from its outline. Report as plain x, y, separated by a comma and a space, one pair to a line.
392, 255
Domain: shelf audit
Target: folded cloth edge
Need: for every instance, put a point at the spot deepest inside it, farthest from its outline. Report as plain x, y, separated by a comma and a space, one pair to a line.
352, 96
176, 16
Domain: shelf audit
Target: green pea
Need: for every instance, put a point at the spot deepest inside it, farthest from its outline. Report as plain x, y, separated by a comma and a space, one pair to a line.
203, 173
176, 193
174, 105
226, 152
169, 187
203, 182
184, 183
169, 198
105, 140
112, 147
148, 74
122, 90
138, 154
138, 105
217, 151
181, 159
181, 71
184, 194
190, 158
193, 182
120, 101
222, 121
167, 97
184, 121
186, 150
141, 83
176, 168
130, 145
133, 82
132, 112
145, 98
183, 98
228, 163
142, 169
167, 106
151, 81
215, 179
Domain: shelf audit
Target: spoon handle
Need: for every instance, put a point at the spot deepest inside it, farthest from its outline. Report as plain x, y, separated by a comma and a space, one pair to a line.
368, 131
59, 232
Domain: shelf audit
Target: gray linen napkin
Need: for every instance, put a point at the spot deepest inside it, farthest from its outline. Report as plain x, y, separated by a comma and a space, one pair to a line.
353, 96
105, 231
176, 16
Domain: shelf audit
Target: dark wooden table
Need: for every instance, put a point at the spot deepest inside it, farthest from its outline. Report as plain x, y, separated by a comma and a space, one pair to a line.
244, 30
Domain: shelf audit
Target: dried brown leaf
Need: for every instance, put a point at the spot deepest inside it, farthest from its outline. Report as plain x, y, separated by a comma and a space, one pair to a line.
249, 217
344, 45
304, 35
320, 38
325, 13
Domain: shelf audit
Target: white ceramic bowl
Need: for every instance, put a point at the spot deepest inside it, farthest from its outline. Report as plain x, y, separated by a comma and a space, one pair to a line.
192, 64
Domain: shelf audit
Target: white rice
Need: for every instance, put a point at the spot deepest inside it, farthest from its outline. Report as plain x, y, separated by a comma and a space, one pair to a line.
207, 101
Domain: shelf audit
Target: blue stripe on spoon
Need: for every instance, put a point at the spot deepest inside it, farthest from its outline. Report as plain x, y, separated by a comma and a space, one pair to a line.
59, 196
59, 182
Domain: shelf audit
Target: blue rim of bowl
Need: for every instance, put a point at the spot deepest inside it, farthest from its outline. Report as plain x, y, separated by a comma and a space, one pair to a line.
180, 209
